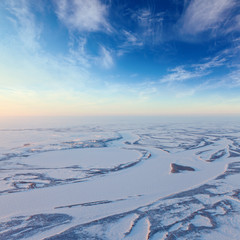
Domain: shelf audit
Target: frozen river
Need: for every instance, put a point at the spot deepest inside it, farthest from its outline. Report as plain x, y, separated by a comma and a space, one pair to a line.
122, 179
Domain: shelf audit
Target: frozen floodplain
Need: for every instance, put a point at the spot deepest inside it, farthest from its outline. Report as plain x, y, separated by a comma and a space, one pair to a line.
120, 181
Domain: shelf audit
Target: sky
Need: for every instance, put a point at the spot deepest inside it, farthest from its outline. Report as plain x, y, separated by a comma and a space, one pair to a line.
119, 57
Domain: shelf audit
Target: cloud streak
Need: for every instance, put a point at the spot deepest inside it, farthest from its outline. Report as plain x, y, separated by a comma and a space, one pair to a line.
24, 22
206, 15
132, 39
180, 74
210, 63
105, 59
151, 25
82, 15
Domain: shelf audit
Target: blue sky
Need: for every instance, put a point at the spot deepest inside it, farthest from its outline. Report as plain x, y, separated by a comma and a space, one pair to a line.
119, 57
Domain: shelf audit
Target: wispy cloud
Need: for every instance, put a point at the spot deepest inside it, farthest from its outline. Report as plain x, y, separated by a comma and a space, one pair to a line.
148, 31
210, 63
235, 25
78, 55
148, 18
150, 24
183, 73
77, 52
206, 15
132, 39
85, 16
105, 59
25, 24
180, 74
233, 79
82, 15
227, 81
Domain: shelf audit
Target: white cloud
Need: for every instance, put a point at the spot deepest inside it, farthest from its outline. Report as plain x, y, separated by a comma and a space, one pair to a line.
105, 58
77, 52
180, 74
83, 15
148, 30
204, 15
24, 21
194, 71
132, 39
144, 16
210, 63
233, 79
150, 24
235, 26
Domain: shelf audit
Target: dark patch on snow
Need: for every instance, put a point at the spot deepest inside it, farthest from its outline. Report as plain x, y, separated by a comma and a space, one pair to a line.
176, 168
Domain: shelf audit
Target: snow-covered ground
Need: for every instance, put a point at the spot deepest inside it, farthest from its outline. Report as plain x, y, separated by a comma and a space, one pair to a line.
145, 180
